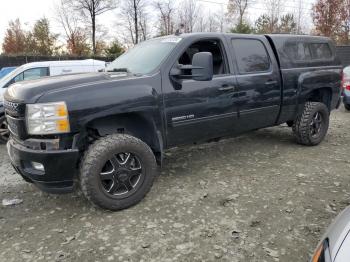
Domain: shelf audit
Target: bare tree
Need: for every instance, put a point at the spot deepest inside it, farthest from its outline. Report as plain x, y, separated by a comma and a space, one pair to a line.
212, 22
274, 10
221, 15
144, 25
238, 7
299, 15
188, 14
135, 19
90, 9
75, 35
166, 11
202, 24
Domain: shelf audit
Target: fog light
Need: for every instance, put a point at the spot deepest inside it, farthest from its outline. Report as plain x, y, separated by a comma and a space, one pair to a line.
38, 166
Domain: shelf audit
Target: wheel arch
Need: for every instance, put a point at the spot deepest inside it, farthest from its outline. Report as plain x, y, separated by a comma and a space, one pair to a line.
322, 94
319, 86
137, 124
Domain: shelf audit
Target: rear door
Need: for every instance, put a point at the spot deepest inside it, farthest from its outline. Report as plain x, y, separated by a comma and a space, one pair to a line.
259, 84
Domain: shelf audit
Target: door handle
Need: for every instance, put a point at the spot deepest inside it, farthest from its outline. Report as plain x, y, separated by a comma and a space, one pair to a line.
227, 88
271, 82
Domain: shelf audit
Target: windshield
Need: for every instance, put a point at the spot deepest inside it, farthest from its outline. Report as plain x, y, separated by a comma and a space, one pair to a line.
145, 57
6, 70
7, 78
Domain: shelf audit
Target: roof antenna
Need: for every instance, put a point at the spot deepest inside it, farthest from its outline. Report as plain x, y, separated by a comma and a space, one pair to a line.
180, 30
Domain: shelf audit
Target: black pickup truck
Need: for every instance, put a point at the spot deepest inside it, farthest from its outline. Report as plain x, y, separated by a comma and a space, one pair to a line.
107, 131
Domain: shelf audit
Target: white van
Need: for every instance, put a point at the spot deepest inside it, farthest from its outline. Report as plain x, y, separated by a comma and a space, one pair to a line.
36, 70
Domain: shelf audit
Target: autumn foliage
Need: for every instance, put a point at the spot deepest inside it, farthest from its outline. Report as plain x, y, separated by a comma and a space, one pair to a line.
331, 18
15, 39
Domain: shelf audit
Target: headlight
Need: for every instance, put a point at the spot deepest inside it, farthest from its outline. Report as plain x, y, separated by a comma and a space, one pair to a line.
50, 118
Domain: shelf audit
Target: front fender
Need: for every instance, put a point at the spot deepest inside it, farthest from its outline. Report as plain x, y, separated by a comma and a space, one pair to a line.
138, 124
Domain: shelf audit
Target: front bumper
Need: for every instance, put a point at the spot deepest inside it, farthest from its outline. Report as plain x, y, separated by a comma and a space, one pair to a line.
60, 166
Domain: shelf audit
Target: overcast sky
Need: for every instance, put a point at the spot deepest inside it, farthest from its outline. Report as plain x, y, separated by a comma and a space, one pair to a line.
28, 11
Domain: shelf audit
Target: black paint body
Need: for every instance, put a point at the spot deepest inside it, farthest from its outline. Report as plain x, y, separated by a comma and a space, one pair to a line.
163, 115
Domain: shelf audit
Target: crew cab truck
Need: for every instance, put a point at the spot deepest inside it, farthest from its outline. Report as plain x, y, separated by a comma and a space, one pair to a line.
107, 131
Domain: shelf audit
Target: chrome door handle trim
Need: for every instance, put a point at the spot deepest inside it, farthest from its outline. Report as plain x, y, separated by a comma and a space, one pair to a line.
226, 88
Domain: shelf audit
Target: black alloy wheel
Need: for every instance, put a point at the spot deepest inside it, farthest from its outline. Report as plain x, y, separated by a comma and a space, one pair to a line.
316, 124
121, 175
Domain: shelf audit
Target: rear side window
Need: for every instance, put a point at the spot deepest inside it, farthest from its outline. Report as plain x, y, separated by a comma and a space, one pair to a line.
320, 51
298, 51
251, 56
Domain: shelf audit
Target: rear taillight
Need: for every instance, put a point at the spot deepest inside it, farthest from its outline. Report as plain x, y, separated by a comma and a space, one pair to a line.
322, 253
345, 82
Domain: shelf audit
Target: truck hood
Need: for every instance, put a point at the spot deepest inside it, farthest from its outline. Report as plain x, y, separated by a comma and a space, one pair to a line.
31, 91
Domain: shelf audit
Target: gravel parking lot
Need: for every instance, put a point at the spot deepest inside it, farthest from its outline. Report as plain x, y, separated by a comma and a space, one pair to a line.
258, 197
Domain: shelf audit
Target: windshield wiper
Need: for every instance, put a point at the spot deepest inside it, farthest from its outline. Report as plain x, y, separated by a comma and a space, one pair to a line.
123, 70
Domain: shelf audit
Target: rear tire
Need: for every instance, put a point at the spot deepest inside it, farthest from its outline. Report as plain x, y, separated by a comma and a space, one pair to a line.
347, 106
117, 171
4, 132
312, 125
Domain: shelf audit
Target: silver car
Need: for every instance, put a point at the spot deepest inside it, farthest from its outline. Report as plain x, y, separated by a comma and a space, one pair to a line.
335, 244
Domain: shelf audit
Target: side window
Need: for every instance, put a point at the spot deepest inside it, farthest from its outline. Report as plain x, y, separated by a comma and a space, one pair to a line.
18, 78
35, 73
212, 46
303, 52
320, 51
298, 51
251, 56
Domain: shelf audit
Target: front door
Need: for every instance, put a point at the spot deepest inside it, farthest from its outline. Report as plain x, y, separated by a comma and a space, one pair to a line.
201, 110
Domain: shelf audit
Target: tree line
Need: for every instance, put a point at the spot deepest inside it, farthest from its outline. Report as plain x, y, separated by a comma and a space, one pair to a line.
84, 34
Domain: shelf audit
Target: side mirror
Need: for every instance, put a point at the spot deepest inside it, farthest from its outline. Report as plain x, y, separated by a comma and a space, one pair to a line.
202, 64
200, 70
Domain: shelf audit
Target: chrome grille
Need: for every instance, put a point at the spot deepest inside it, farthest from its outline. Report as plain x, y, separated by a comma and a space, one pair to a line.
14, 109
15, 113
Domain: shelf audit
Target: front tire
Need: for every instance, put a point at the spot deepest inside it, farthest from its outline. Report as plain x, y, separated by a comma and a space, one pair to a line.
117, 171
4, 132
312, 125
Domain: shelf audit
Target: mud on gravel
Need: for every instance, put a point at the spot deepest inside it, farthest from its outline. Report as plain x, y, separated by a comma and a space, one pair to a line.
258, 197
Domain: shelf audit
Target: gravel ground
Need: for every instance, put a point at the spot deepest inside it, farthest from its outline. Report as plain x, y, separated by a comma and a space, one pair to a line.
258, 197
